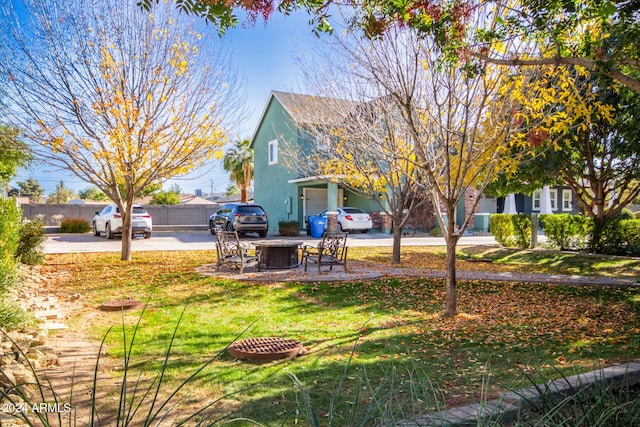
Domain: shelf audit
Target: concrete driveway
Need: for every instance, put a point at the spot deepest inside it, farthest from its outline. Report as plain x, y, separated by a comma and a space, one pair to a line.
202, 240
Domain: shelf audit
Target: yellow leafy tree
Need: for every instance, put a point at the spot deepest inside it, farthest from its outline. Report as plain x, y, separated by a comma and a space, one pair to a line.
585, 128
453, 125
123, 99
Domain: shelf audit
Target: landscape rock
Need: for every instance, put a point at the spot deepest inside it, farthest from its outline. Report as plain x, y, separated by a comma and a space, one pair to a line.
22, 352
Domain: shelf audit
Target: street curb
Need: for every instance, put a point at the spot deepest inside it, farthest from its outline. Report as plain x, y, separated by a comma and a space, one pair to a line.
507, 407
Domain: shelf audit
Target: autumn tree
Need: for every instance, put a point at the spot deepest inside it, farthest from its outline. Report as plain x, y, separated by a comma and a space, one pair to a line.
461, 121
238, 161
458, 120
365, 144
587, 136
450, 125
122, 99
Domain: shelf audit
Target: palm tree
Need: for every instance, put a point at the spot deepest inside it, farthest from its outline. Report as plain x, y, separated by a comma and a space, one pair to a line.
238, 161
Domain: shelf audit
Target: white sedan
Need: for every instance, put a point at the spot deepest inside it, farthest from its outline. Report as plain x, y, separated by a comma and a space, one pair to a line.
109, 222
352, 219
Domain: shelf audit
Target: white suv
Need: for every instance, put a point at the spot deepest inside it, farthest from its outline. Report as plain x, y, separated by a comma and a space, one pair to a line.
109, 222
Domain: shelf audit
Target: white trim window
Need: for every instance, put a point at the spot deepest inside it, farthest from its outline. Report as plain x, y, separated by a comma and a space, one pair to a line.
273, 152
553, 193
537, 196
567, 200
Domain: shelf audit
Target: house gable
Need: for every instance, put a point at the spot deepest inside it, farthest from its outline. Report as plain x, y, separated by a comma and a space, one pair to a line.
288, 122
272, 189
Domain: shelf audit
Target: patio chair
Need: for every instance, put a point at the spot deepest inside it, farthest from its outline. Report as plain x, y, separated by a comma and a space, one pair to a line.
233, 253
332, 250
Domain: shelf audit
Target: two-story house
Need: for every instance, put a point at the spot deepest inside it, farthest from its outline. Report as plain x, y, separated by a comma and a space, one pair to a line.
284, 189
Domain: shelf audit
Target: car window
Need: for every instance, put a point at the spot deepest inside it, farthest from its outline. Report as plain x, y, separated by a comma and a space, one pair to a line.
323, 213
139, 210
353, 211
105, 210
250, 210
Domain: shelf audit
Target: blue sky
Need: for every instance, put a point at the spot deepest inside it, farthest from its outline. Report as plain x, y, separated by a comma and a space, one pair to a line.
266, 55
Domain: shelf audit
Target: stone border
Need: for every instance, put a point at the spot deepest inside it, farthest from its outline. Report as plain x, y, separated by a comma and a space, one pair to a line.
507, 407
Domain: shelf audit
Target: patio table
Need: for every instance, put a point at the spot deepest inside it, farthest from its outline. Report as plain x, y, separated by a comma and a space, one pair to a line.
277, 253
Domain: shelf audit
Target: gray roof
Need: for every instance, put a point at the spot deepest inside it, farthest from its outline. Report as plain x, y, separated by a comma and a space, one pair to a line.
313, 110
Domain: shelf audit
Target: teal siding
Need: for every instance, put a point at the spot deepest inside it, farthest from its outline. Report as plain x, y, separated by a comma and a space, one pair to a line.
271, 182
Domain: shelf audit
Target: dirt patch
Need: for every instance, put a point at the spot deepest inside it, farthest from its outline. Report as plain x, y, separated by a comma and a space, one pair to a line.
72, 380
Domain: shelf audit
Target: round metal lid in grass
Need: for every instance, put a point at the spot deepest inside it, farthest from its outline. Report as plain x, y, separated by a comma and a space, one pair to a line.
120, 305
266, 348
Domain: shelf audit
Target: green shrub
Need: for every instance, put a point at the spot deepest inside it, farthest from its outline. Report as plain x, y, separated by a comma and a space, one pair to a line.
9, 240
31, 237
625, 214
9, 227
511, 230
74, 225
8, 273
12, 317
567, 231
289, 228
621, 237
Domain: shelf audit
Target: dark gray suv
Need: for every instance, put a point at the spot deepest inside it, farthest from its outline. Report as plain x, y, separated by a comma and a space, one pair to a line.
240, 217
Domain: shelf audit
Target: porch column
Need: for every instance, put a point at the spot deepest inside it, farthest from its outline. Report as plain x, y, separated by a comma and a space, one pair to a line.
332, 206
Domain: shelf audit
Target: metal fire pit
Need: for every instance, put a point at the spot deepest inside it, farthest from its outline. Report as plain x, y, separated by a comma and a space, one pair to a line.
266, 349
120, 305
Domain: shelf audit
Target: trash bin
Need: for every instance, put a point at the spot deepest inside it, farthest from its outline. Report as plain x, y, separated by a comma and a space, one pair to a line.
482, 222
317, 225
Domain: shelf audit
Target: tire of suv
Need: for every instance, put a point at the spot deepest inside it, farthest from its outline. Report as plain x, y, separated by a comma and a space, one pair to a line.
147, 235
212, 228
107, 231
262, 233
95, 230
228, 227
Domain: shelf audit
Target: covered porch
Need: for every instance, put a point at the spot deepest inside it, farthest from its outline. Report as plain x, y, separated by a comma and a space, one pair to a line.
316, 194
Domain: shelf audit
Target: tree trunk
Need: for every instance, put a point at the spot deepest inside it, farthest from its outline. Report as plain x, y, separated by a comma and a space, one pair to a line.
397, 238
451, 299
244, 194
451, 237
598, 229
127, 213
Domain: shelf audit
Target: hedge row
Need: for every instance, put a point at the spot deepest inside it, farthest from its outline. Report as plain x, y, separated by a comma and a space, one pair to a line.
621, 236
